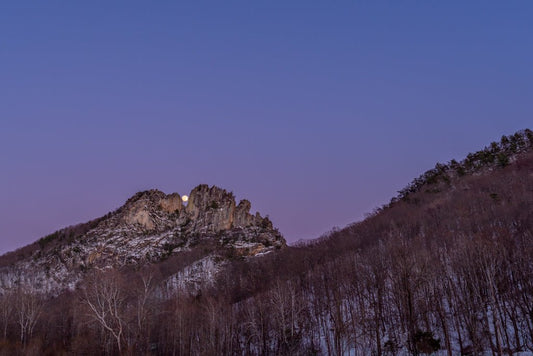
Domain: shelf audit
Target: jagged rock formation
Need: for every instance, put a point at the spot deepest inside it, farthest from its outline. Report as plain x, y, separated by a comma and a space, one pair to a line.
150, 227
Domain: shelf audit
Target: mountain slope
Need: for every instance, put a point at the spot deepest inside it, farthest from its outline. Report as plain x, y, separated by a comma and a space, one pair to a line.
150, 227
445, 269
447, 265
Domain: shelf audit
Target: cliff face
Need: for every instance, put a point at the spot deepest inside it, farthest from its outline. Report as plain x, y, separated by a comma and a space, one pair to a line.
209, 210
213, 209
150, 227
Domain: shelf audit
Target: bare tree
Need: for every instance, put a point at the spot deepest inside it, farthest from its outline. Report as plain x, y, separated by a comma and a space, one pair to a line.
143, 295
106, 301
6, 310
28, 307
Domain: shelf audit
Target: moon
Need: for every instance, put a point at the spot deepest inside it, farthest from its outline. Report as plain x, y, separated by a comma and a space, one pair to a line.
184, 198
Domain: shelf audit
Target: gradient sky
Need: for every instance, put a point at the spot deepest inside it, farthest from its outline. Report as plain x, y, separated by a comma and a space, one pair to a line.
315, 111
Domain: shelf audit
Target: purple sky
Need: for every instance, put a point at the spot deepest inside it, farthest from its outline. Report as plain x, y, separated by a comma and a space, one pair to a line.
316, 112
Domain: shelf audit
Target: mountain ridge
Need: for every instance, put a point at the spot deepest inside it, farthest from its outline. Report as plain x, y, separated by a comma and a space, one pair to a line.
446, 270
496, 155
151, 226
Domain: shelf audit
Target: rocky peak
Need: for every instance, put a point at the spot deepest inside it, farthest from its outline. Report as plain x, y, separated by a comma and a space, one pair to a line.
210, 212
171, 203
243, 218
214, 209
211, 208
150, 227
140, 208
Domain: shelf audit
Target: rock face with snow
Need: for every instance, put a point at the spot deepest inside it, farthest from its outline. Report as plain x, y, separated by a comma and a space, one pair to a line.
150, 227
211, 209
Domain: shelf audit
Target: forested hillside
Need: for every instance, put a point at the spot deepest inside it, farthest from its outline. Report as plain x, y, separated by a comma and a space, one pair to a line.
445, 267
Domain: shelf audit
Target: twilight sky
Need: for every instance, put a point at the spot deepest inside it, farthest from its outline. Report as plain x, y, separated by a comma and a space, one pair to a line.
315, 111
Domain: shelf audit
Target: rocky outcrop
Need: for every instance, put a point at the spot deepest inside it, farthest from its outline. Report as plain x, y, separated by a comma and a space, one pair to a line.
243, 218
140, 209
171, 203
209, 210
212, 209
150, 227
